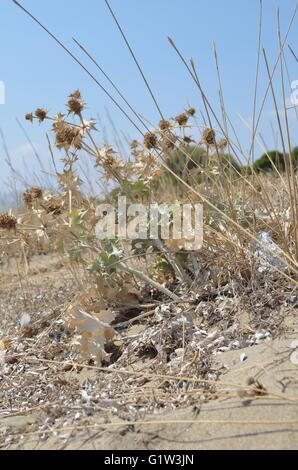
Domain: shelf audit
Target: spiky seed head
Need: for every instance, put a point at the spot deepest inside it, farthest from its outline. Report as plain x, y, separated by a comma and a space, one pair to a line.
150, 141
67, 136
191, 112
164, 125
169, 141
7, 221
41, 114
31, 195
209, 136
53, 207
76, 94
187, 140
222, 144
28, 199
75, 103
182, 119
36, 192
134, 145
29, 117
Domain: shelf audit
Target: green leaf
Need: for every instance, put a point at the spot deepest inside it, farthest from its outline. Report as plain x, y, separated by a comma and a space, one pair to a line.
77, 220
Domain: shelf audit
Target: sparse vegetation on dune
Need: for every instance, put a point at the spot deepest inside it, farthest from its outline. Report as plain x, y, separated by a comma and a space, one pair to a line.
140, 326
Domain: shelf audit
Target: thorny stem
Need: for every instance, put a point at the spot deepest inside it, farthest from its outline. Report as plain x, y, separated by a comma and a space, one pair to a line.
171, 259
148, 280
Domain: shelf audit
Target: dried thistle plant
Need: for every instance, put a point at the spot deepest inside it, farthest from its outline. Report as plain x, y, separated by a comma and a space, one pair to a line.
75, 103
40, 114
222, 144
67, 136
191, 112
33, 194
187, 140
182, 119
28, 199
209, 137
150, 141
8, 221
53, 207
29, 117
164, 125
36, 192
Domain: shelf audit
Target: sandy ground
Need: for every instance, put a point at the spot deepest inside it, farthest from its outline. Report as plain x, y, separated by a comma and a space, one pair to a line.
266, 418
234, 423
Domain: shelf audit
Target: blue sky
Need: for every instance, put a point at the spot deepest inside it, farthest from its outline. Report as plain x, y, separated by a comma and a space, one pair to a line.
36, 72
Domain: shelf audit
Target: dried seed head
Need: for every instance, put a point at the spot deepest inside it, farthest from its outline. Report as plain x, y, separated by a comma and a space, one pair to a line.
7, 221
32, 194
187, 140
191, 112
150, 141
209, 136
169, 141
67, 136
164, 125
53, 207
222, 144
111, 163
75, 103
29, 117
28, 199
134, 145
36, 192
41, 114
182, 119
